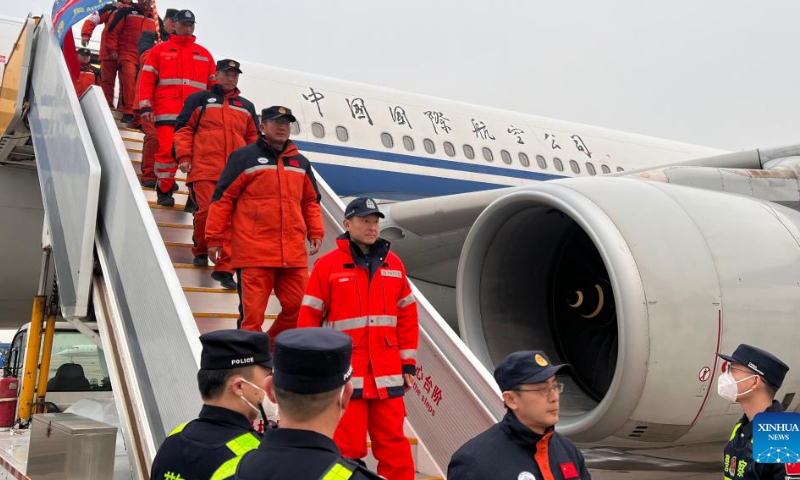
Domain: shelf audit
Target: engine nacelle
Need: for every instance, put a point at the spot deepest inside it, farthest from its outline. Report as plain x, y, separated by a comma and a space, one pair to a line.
637, 284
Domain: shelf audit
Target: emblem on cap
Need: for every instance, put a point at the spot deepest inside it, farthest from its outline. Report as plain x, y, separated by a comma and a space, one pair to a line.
232, 63
540, 360
370, 203
281, 110
188, 14
526, 476
263, 160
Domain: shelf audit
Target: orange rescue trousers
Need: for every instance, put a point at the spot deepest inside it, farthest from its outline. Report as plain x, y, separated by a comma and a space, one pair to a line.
165, 165
201, 192
108, 79
256, 285
149, 149
383, 418
127, 83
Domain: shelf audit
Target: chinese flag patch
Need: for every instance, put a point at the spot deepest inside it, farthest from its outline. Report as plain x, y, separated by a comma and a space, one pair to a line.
236, 103
792, 468
294, 163
568, 470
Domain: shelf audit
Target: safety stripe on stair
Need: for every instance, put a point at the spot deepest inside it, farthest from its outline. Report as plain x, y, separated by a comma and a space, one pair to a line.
229, 315
209, 290
193, 267
178, 207
176, 225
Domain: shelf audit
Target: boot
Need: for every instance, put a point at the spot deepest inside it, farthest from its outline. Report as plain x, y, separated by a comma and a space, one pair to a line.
200, 261
225, 279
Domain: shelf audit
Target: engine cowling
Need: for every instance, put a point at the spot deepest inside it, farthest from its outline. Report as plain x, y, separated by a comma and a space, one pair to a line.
638, 285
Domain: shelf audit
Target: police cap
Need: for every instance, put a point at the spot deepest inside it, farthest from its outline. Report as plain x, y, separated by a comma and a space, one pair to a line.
225, 349
275, 112
185, 16
361, 207
312, 360
171, 13
760, 361
84, 51
228, 64
531, 366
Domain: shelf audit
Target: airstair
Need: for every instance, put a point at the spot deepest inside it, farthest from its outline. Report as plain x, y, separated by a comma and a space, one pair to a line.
151, 303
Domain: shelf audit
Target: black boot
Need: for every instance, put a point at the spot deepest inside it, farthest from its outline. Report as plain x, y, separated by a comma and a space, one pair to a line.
149, 183
225, 279
200, 261
127, 118
165, 199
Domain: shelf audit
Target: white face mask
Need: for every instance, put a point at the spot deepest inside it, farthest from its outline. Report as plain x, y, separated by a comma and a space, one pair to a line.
727, 389
267, 409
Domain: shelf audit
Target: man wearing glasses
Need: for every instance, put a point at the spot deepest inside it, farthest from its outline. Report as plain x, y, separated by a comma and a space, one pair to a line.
524, 445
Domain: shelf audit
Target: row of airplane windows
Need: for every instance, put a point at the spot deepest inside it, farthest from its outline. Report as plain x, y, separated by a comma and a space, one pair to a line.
318, 130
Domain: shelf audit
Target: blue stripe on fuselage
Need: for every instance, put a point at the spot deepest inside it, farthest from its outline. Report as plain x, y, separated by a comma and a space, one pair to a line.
425, 162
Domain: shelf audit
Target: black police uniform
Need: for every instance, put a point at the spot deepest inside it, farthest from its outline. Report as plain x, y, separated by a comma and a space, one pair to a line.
738, 456
511, 450
307, 361
211, 446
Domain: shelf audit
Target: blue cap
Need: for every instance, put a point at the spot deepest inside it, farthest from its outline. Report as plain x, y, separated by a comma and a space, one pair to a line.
225, 349
362, 207
185, 16
312, 360
531, 366
772, 370
275, 112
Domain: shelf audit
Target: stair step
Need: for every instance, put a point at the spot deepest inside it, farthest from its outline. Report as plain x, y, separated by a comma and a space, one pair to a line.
133, 144
208, 323
132, 133
134, 155
181, 191
151, 196
175, 208
174, 217
181, 182
221, 305
176, 235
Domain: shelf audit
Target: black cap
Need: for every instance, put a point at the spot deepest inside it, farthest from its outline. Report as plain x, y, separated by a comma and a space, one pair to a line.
312, 360
185, 16
171, 13
530, 366
228, 64
275, 112
84, 51
361, 207
225, 349
760, 361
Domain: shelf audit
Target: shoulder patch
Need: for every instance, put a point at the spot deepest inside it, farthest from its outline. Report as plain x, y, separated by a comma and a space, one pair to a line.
212, 100
263, 160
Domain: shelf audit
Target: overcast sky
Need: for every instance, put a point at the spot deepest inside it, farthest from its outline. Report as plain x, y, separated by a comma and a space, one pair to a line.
721, 73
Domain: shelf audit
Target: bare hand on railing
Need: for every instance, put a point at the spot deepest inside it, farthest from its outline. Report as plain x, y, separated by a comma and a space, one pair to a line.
315, 243
185, 167
214, 254
408, 380
147, 117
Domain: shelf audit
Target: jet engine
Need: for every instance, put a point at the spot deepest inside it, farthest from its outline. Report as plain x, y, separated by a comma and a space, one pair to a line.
637, 285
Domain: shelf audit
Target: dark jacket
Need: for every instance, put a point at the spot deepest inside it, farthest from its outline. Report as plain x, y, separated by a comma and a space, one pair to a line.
212, 444
289, 454
509, 448
738, 457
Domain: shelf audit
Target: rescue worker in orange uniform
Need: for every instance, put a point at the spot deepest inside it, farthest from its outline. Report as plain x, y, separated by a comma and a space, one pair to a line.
89, 74
147, 41
108, 67
267, 203
124, 31
211, 126
174, 70
361, 289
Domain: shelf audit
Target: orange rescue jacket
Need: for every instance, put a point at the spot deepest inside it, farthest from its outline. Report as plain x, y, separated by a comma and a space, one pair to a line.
125, 29
211, 126
88, 76
369, 298
174, 70
268, 201
99, 17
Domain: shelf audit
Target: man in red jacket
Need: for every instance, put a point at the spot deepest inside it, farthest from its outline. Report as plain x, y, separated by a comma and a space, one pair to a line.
89, 75
174, 70
213, 124
267, 203
124, 30
108, 67
361, 289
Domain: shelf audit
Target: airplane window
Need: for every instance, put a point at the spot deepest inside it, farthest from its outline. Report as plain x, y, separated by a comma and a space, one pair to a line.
574, 166
541, 162
429, 146
620, 169
488, 155
505, 156
295, 128
558, 164
524, 160
469, 152
387, 140
449, 149
408, 142
341, 134
605, 168
590, 168
318, 130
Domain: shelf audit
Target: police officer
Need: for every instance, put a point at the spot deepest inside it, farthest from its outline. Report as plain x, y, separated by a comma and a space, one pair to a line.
751, 379
311, 384
233, 367
524, 444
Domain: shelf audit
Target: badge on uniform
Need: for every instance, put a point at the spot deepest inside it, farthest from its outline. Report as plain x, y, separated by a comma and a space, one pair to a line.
263, 160
526, 476
212, 100
568, 470
792, 468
